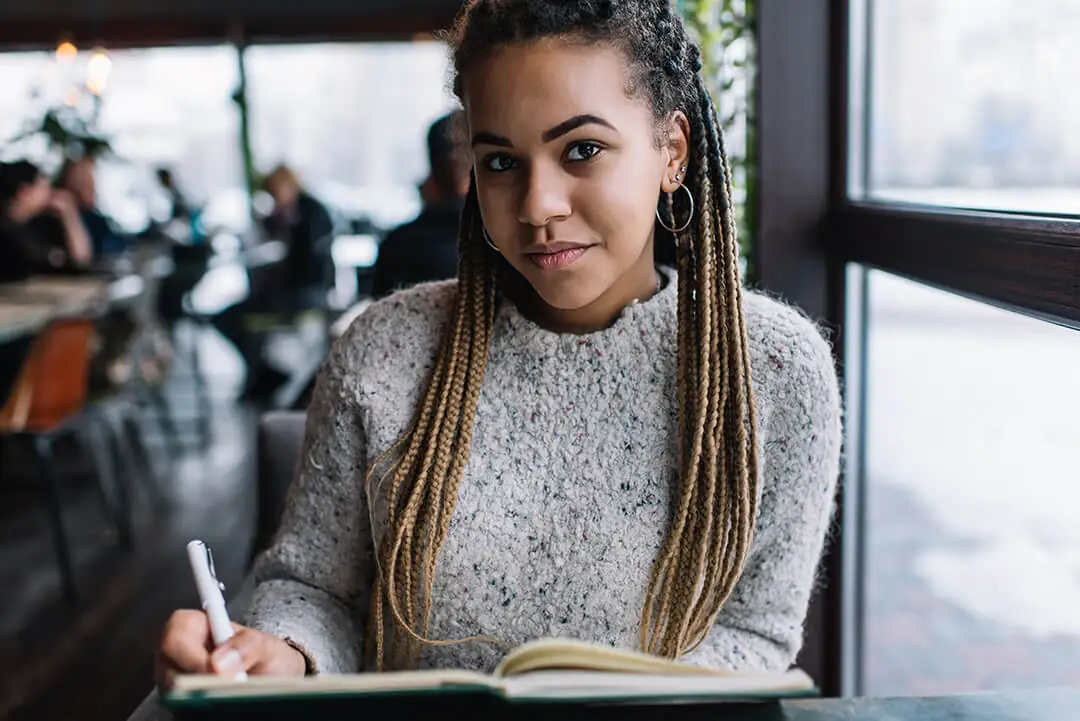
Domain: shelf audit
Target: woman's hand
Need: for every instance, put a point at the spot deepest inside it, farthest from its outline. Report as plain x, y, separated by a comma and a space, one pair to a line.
80, 247
63, 204
187, 647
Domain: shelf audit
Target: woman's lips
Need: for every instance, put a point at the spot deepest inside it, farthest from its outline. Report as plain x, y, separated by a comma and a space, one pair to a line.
559, 259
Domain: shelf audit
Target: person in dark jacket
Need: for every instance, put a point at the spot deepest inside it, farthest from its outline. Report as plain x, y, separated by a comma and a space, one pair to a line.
305, 226
40, 233
425, 249
40, 228
180, 208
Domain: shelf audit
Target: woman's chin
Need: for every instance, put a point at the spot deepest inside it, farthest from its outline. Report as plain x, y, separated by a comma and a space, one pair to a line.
563, 291
564, 296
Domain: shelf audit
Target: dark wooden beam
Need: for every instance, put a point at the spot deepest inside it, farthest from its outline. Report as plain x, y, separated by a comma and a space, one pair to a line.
793, 117
1020, 262
802, 132
121, 23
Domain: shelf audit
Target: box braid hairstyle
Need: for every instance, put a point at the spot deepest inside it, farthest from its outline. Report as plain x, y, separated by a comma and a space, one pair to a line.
715, 504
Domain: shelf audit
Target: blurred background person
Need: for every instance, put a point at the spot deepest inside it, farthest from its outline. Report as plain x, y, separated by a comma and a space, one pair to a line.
41, 230
297, 282
79, 177
425, 249
303, 224
179, 206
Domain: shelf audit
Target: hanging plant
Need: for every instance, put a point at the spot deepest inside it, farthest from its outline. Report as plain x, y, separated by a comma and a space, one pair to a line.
725, 31
67, 135
69, 105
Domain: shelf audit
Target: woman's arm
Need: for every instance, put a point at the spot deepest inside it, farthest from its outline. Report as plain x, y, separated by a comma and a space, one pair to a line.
315, 579
761, 625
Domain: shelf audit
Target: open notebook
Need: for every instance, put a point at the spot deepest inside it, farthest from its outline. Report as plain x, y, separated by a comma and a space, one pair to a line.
542, 671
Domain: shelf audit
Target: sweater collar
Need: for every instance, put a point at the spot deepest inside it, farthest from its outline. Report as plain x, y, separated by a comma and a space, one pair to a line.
655, 314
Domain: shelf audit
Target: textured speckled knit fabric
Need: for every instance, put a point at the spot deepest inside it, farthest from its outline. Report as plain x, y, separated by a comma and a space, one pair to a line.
565, 498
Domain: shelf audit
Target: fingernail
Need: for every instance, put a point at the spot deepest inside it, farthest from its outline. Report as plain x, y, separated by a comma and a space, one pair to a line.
227, 662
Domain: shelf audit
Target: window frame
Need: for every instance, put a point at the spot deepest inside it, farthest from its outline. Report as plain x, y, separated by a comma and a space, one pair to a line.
811, 231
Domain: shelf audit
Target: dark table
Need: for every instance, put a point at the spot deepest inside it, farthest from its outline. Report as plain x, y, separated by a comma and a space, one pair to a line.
1058, 704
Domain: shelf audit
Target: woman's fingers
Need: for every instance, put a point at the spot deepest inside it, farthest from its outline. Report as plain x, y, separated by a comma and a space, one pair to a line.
185, 642
187, 647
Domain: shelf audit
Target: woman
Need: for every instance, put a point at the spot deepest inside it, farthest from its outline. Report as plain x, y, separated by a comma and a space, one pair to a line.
40, 228
302, 222
566, 441
304, 225
79, 177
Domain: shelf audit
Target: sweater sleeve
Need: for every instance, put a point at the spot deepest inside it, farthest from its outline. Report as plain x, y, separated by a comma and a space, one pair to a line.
761, 625
314, 581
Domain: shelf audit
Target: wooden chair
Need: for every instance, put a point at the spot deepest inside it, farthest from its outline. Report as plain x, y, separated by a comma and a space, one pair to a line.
48, 402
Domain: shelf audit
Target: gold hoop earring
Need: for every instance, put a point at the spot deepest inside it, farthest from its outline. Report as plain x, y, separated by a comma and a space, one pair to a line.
689, 217
487, 239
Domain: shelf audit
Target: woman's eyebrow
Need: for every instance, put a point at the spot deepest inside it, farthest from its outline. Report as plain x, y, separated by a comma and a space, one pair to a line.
573, 124
484, 138
491, 139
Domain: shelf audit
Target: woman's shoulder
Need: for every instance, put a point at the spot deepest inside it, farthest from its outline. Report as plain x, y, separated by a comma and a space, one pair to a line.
772, 323
789, 352
403, 327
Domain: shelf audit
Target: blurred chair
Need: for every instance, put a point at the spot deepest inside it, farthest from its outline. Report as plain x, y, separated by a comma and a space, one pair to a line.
279, 438
190, 264
281, 314
49, 402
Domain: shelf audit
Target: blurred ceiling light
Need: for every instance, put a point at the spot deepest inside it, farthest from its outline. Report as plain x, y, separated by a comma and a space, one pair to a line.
66, 51
97, 71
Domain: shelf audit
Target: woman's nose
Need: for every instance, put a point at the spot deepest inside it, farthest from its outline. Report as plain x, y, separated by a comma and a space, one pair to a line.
545, 198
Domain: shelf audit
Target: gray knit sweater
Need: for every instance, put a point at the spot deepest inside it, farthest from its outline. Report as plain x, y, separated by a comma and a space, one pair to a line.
565, 498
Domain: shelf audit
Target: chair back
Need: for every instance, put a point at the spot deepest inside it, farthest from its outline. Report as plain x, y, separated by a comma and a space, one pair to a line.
279, 437
52, 383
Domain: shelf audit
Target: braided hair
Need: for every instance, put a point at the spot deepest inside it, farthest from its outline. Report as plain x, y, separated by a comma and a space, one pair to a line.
715, 503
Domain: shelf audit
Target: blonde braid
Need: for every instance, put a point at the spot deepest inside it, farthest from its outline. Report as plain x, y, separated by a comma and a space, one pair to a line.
426, 478
711, 531
717, 575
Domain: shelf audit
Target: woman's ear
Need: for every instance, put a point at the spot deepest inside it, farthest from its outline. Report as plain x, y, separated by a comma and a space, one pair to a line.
676, 136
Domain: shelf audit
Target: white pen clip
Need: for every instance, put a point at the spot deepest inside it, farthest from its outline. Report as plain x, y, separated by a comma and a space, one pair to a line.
210, 566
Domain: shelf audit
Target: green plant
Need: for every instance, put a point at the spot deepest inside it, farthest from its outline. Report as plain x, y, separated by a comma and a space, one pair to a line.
725, 31
67, 134
240, 97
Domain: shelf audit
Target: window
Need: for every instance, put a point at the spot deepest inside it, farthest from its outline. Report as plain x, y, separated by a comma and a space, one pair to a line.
354, 132
962, 194
972, 103
23, 81
161, 106
351, 119
972, 549
173, 106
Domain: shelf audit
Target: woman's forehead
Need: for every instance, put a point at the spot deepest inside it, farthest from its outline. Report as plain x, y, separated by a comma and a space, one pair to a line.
528, 88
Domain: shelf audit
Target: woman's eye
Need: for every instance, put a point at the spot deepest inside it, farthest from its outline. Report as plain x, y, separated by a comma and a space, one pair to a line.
499, 163
582, 151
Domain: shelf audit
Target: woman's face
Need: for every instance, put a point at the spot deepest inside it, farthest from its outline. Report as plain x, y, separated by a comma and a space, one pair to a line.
284, 192
33, 199
568, 169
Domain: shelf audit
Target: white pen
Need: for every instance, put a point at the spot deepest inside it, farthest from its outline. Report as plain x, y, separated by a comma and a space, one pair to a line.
210, 588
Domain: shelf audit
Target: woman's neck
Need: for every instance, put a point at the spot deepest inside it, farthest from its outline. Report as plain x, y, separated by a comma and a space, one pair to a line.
639, 284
